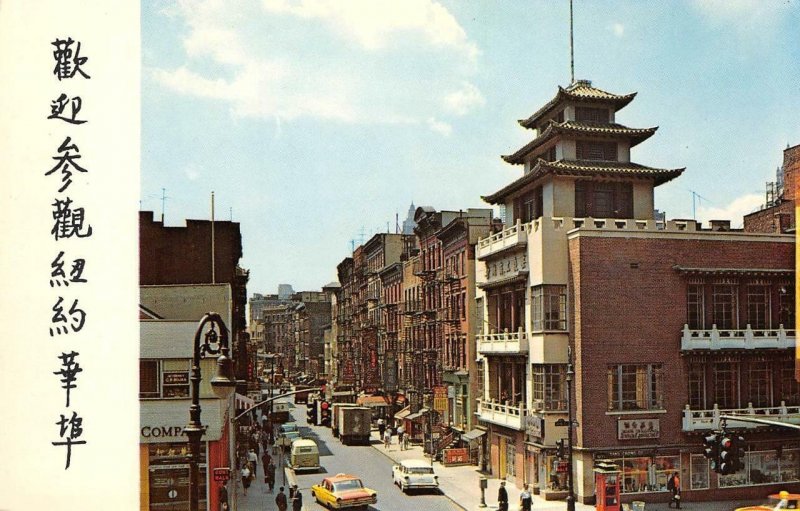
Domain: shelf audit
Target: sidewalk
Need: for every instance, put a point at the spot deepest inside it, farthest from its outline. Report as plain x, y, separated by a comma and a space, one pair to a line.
258, 497
461, 483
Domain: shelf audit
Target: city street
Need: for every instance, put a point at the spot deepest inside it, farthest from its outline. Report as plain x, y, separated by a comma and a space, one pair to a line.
373, 467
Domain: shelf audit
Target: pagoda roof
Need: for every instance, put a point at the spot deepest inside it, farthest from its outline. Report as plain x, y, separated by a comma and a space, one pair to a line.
635, 135
582, 91
588, 168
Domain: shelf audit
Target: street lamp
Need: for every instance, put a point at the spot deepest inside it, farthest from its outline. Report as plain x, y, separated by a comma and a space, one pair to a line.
570, 374
223, 384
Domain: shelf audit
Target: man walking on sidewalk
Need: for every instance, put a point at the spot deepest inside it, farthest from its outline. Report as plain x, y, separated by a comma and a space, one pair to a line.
280, 500
502, 497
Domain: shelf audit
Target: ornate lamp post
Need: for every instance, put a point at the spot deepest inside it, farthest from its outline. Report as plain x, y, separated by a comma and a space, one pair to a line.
215, 341
572, 424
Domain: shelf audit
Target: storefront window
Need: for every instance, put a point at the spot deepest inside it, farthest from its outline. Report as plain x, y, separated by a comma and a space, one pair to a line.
699, 474
511, 456
646, 474
765, 467
556, 474
169, 476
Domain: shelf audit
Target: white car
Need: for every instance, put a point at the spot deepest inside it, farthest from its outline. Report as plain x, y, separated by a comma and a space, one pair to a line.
414, 474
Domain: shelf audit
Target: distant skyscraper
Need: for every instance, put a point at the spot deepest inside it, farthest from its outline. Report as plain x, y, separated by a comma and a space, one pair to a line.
285, 291
409, 223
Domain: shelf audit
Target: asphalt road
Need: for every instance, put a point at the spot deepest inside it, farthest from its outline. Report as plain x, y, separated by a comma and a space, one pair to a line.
368, 463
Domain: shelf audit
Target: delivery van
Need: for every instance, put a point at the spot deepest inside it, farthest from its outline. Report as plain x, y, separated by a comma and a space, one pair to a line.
304, 455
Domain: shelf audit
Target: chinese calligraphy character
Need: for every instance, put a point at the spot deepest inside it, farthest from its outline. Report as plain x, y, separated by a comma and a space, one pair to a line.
59, 278
67, 63
68, 223
58, 106
64, 161
74, 425
69, 371
78, 317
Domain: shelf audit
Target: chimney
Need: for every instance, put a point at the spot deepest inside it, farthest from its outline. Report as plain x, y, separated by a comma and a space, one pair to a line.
720, 225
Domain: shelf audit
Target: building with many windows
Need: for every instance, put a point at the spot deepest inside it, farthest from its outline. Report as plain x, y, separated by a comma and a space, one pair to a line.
669, 325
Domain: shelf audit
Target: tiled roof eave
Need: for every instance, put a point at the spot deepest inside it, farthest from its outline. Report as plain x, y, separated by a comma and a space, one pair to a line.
542, 168
562, 95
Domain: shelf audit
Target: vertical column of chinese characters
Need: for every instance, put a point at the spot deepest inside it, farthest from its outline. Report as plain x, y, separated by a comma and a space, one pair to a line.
69, 222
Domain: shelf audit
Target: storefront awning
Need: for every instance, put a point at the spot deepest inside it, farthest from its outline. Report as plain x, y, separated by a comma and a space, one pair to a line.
418, 415
402, 414
473, 435
372, 401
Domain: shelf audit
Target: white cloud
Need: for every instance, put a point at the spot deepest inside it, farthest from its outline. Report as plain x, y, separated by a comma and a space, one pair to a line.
463, 100
734, 211
373, 23
746, 16
285, 59
440, 127
618, 29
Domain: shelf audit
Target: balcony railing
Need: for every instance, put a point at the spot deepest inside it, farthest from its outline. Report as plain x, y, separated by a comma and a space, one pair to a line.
513, 236
503, 342
748, 338
502, 414
694, 420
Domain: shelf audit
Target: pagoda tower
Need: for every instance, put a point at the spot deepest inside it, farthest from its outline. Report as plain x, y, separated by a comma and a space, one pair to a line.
579, 143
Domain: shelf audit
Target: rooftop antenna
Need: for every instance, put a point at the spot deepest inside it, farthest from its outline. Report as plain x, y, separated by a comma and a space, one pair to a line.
695, 197
571, 48
231, 212
163, 200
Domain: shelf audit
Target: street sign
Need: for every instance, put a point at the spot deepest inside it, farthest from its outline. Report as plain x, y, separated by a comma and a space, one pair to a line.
440, 398
221, 475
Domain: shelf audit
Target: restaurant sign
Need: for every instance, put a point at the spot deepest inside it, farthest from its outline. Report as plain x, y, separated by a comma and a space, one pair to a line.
638, 429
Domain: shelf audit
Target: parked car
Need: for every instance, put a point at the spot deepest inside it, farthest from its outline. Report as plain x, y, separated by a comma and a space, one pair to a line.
343, 491
777, 501
304, 455
414, 474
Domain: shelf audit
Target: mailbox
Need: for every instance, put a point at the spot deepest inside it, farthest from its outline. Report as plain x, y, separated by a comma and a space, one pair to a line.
484, 483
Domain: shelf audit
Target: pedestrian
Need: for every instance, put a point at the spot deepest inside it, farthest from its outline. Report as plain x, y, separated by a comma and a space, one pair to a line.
280, 500
674, 485
525, 499
297, 501
387, 438
252, 459
265, 460
381, 427
400, 432
246, 478
270, 477
502, 497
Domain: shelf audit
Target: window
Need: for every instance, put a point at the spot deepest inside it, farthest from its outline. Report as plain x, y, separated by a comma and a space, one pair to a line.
761, 385
764, 467
726, 384
603, 199
697, 387
149, 376
724, 305
584, 113
699, 474
635, 387
164, 378
786, 305
549, 307
596, 150
695, 307
758, 306
550, 387
790, 389
646, 474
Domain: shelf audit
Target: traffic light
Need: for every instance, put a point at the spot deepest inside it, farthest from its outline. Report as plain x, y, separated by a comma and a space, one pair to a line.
311, 413
325, 413
736, 453
711, 450
560, 451
726, 455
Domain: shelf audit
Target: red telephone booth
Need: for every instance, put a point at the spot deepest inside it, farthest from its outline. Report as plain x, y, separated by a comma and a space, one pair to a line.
606, 487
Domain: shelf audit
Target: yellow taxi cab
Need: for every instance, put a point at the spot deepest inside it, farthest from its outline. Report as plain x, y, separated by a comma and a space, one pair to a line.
777, 501
343, 491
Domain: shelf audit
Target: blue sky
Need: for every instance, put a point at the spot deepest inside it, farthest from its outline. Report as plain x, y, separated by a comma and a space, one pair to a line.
315, 120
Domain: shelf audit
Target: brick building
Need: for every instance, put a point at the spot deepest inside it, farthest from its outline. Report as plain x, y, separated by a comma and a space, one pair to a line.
184, 255
668, 323
778, 213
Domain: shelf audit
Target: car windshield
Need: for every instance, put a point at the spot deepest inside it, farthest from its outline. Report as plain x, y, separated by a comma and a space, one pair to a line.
352, 484
421, 470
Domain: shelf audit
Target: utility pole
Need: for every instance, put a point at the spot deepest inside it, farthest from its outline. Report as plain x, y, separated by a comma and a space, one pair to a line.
571, 56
